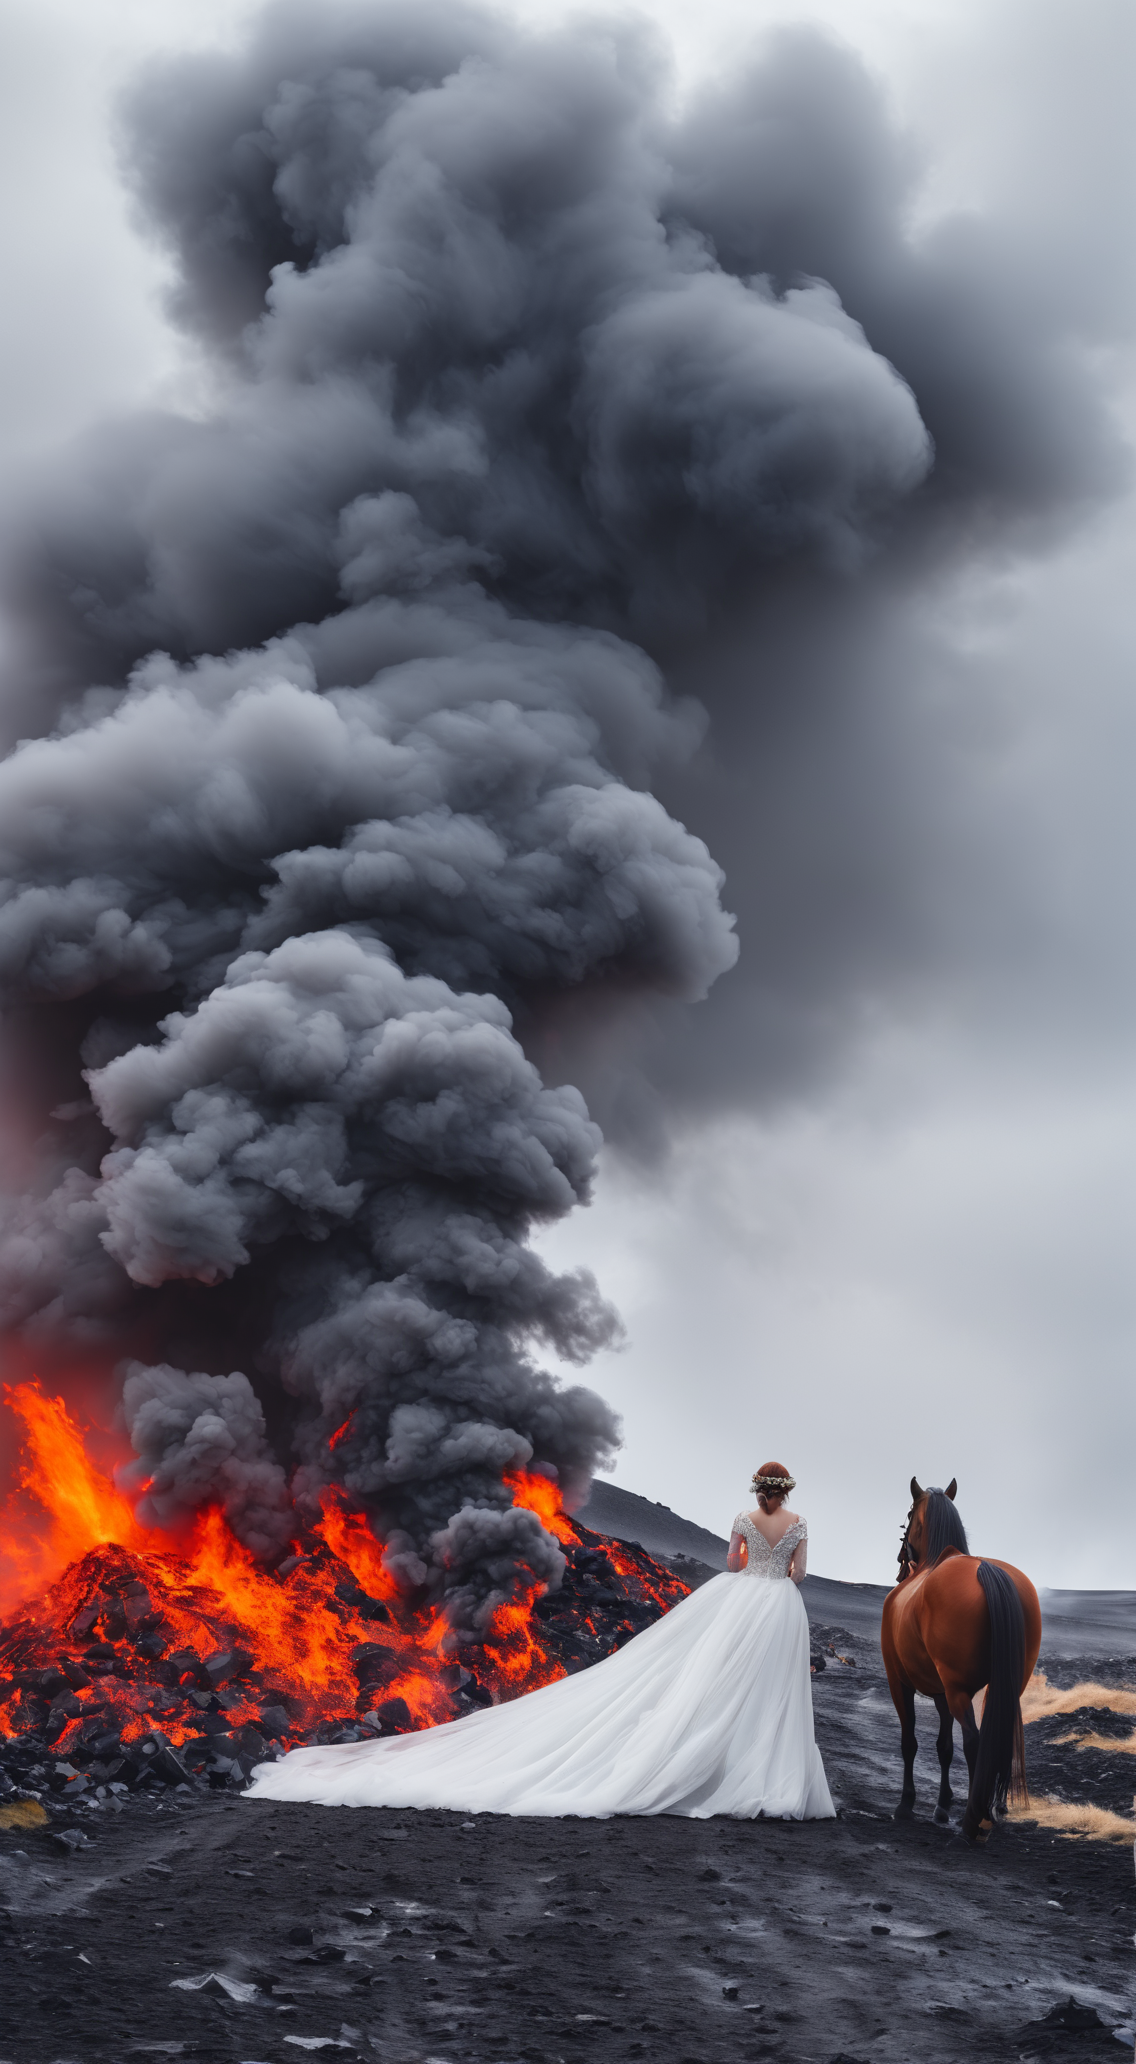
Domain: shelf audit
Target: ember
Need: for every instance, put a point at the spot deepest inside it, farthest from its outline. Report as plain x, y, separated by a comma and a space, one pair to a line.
129, 1664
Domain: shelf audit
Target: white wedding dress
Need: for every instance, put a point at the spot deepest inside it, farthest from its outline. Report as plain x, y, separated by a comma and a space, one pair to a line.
707, 1711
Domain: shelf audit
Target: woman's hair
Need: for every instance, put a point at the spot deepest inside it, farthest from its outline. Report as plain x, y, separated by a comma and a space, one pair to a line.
772, 1480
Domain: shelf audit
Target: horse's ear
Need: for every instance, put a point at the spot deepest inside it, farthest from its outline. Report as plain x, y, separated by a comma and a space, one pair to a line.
952, 1487
916, 1488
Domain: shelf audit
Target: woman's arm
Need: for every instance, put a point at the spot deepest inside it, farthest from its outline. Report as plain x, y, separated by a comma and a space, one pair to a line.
739, 1554
799, 1564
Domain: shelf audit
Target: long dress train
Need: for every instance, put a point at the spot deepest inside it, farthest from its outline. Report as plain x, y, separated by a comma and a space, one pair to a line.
707, 1711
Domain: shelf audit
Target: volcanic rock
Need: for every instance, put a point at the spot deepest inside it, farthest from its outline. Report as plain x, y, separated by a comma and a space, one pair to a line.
104, 1744
1071, 2018
395, 1717
70, 1839
216, 1981
247, 1741
155, 1757
138, 1608
360, 1602
61, 1712
374, 1661
226, 1663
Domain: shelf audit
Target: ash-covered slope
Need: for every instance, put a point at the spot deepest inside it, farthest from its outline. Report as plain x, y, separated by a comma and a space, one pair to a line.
625, 1516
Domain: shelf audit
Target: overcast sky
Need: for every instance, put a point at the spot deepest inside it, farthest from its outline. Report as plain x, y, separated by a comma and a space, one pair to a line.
909, 1249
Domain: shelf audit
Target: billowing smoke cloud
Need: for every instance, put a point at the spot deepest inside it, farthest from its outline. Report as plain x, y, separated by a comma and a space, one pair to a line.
201, 1440
340, 889
468, 328
334, 793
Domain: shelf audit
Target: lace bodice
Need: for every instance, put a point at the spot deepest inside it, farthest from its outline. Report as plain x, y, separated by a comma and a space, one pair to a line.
764, 1560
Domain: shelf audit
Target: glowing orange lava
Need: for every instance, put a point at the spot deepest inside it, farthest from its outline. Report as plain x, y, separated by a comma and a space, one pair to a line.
62, 1506
141, 1627
540, 1495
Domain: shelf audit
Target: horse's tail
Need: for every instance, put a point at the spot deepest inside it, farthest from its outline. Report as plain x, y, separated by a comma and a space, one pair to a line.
1000, 1766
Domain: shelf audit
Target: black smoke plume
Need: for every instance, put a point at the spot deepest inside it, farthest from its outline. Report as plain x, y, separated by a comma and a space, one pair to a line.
334, 790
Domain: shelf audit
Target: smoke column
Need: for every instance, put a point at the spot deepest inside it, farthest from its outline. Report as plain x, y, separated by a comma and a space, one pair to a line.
339, 740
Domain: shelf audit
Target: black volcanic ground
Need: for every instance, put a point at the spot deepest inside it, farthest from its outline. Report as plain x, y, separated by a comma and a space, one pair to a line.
423, 1939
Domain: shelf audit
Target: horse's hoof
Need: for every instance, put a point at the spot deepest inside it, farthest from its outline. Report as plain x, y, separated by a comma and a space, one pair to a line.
942, 1817
977, 1831
905, 1810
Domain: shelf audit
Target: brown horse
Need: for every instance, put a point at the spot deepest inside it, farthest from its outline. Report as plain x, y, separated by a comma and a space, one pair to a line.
953, 1624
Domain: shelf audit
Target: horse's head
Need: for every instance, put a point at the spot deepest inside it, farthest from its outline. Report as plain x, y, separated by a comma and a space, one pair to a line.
932, 1526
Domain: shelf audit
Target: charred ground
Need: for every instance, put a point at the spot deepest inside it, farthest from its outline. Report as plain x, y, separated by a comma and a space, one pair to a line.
420, 1938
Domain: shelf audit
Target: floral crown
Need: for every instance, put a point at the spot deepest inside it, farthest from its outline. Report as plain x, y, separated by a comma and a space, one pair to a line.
773, 1483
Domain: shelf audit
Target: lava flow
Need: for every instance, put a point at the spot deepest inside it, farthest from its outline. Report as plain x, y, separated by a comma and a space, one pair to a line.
128, 1662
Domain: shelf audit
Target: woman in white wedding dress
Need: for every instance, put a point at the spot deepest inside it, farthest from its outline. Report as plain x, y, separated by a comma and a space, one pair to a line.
707, 1711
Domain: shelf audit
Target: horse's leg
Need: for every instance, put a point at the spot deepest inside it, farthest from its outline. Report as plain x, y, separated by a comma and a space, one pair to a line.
906, 1711
946, 1751
960, 1704
903, 1699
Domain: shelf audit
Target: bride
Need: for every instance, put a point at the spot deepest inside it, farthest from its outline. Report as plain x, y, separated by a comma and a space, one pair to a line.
709, 1710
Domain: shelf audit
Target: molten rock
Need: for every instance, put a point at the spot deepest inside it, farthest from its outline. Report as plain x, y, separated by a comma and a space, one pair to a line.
236, 1660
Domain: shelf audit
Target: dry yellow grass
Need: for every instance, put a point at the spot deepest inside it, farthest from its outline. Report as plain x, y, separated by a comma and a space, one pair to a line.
1126, 1746
1086, 1823
23, 1813
1040, 1699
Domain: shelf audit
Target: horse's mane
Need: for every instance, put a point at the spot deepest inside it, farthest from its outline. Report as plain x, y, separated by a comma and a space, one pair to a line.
942, 1527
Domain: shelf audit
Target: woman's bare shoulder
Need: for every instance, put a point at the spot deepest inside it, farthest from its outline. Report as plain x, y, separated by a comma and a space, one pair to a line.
761, 1523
